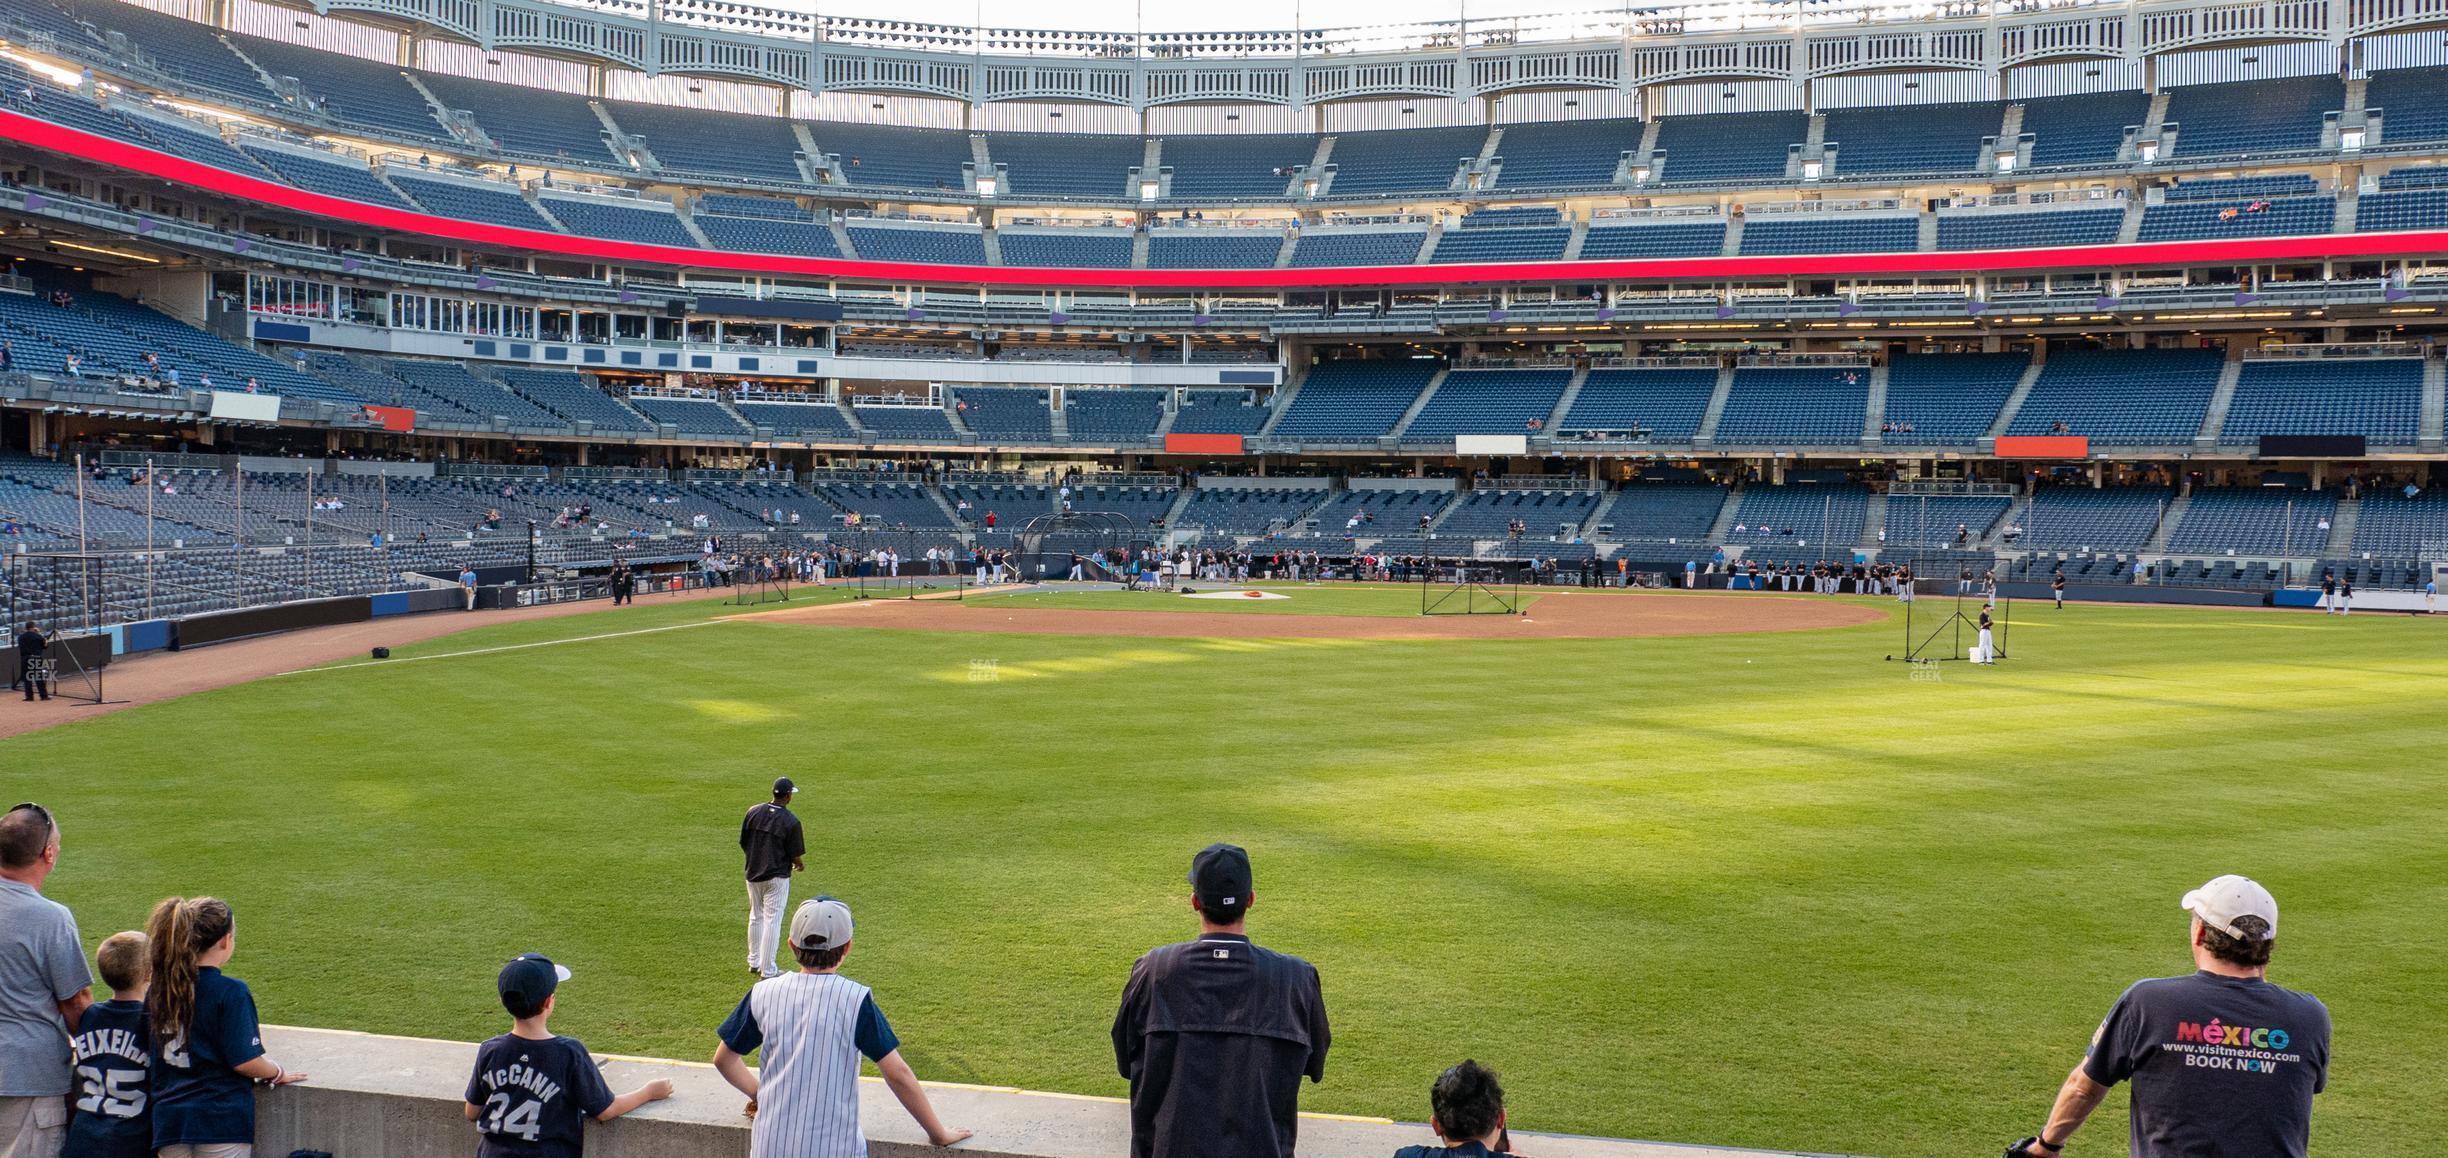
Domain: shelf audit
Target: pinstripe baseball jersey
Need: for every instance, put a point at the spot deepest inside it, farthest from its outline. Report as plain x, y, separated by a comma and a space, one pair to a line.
813, 1028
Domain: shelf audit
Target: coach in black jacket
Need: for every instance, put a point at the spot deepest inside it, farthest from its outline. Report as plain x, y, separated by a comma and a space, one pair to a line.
1215, 1034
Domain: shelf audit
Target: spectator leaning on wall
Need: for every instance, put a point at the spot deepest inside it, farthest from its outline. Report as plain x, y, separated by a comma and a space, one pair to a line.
2222, 1061
1216, 1034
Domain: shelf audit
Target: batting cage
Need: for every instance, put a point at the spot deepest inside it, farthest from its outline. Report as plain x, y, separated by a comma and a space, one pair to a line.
1950, 619
68, 597
893, 565
1047, 544
1471, 586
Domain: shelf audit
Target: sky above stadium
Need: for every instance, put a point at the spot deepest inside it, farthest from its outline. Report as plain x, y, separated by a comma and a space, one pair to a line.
1175, 16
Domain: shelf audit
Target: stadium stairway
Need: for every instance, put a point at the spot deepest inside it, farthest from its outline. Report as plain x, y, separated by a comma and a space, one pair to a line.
1600, 514
2016, 512
2014, 401
2169, 520
1874, 521
1707, 433
1283, 402
1417, 404
2342, 526
1564, 401
1173, 513
2130, 230
2214, 417
1874, 410
1572, 245
1733, 236
2434, 405
1724, 524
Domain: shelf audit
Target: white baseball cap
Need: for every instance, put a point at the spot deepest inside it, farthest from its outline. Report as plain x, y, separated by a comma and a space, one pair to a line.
2220, 902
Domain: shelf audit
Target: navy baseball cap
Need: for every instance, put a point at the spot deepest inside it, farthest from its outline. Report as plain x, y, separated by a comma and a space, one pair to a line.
784, 787
1220, 878
529, 978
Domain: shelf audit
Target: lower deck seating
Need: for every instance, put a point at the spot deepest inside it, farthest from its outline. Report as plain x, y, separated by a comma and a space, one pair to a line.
1667, 403
2258, 521
1490, 514
1818, 405
1658, 511
2076, 518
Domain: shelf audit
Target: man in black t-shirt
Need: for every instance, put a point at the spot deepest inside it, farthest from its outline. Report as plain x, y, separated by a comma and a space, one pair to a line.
2223, 1063
34, 661
1216, 1034
774, 847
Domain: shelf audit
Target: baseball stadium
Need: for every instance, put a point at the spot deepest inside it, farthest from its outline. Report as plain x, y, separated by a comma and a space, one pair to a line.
1694, 580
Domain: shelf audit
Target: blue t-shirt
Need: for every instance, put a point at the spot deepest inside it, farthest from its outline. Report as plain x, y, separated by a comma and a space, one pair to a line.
199, 1098
114, 1087
533, 1097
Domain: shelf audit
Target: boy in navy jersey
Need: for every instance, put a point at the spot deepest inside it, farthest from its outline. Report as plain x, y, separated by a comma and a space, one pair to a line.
114, 1059
532, 1090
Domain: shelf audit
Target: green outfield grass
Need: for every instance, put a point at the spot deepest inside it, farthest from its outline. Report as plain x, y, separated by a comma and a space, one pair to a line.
1756, 890
1373, 600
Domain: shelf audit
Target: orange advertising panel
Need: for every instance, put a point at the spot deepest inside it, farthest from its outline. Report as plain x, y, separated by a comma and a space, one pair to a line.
1202, 444
399, 418
2045, 446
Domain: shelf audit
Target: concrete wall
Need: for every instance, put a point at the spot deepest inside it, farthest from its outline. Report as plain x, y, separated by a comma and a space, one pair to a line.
396, 1097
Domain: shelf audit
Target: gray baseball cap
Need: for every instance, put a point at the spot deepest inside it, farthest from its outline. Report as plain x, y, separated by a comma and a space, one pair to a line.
823, 923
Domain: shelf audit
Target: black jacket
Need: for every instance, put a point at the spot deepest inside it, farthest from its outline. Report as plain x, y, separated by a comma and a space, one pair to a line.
1215, 1036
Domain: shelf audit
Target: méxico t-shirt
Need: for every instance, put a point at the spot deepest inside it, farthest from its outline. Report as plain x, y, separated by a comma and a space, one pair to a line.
2220, 1065
533, 1097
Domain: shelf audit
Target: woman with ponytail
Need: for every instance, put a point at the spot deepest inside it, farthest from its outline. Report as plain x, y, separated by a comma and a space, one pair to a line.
206, 1045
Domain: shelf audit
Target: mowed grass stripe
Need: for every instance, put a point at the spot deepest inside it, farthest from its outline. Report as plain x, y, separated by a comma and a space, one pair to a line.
1757, 889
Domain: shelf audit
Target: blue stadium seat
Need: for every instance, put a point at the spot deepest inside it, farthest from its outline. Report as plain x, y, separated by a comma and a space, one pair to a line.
1469, 243
1729, 148
1235, 168
2122, 397
529, 122
490, 202
2071, 131
1488, 402
1488, 514
894, 157
939, 246
366, 93
1657, 511
2258, 118
1669, 403
1214, 248
1067, 164
573, 396
1219, 412
1005, 415
1813, 406
2402, 211
713, 145
2393, 525
2257, 521
1816, 520
1251, 510
815, 420
767, 235
2413, 105
2035, 230
2380, 399
329, 173
1401, 160
1841, 233
1564, 155
1354, 400
1065, 248
1666, 238
646, 222
1948, 399
1111, 417
2195, 220
701, 417
1357, 247
1938, 138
